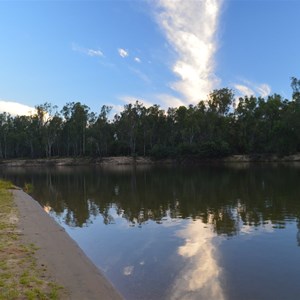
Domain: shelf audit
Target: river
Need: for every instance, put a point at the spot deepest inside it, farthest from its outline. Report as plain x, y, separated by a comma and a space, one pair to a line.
206, 232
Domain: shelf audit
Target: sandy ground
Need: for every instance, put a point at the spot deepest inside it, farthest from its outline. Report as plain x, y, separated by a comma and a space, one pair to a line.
143, 161
65, 261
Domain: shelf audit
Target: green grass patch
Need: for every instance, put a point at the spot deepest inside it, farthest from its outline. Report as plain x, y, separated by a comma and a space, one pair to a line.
4, 184
20, 275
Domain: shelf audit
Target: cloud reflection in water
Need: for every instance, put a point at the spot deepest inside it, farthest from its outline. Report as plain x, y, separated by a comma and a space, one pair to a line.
200, 277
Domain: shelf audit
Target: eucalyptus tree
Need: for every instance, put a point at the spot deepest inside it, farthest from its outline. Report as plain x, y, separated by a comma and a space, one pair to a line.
218, 122
5, 128
295, 85
50, 126
100, 132
245, 124
268, 118
155, 126
76, 117
22, 137
128, 124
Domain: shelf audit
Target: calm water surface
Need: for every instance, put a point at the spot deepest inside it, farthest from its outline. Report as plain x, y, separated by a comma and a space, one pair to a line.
212, 232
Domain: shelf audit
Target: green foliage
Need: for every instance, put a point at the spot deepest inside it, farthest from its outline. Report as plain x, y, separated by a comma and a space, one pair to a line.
160, 152
214, 149
218, 126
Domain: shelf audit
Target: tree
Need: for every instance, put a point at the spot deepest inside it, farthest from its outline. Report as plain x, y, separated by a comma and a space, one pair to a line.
76, 122
295, 84
129, 122
49, 124
100, 131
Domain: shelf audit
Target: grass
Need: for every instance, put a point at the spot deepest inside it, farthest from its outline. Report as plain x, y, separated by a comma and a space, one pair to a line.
20, 275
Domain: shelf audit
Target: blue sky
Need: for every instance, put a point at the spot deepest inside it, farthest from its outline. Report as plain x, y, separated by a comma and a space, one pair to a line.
166, 52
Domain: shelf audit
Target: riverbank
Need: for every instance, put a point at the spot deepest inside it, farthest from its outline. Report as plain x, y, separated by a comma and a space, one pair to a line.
65, 261
21, 277
141, 160
54, 258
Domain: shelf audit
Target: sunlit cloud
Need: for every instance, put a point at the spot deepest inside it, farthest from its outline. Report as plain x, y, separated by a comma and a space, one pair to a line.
200, 278
138, 60
243, 90
122, 52
190, 27
116, 109
15, 108
163, 100
249, 88
87, 51
264, 90
132, 99
166, 101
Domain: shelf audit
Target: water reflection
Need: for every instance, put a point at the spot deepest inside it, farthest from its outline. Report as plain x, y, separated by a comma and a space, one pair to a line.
167, 233
201, 274
222, 197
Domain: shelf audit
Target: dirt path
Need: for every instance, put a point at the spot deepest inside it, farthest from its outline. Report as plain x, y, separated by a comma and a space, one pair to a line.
64, 260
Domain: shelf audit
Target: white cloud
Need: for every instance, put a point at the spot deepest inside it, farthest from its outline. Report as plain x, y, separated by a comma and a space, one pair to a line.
167, 101
87, 51
264, 90
123, 53
244, 90
190, 28
133, 99
249, 88
116, 110
138, 60
15, 108
92, 52
163, 100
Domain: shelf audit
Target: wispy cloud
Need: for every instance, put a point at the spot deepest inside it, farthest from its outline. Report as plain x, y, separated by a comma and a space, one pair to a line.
122, 52
15, 108
163, 100
190, 27
244, 90
264, 90
132, 99
141, 75
87, 51
249, 88
166, 101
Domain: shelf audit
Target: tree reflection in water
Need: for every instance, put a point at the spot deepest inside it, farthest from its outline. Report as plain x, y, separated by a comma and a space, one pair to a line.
160, 232
225, 197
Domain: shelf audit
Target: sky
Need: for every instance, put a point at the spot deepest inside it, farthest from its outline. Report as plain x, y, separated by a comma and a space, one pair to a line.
165, 52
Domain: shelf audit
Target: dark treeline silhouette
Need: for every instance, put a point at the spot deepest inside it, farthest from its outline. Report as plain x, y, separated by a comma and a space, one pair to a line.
217, 127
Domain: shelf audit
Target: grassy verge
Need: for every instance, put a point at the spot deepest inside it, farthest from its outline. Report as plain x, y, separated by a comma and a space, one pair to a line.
20, 276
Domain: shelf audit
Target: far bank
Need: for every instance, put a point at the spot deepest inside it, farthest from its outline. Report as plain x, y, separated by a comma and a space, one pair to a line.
144, 160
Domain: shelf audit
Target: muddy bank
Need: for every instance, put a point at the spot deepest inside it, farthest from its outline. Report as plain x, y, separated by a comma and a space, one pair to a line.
128, 160
60, 255
83, 161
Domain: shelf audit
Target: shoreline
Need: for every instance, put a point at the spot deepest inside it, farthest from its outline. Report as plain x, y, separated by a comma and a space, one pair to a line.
143, 161
65, 262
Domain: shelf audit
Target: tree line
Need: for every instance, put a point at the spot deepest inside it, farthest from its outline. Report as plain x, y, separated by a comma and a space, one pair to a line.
219, 126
